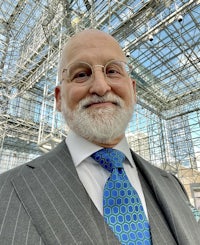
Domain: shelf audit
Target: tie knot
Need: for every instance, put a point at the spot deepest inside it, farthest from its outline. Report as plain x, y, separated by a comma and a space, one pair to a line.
109, 158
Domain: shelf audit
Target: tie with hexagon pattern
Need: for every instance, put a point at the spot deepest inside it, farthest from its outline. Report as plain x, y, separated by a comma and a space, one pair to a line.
122, 208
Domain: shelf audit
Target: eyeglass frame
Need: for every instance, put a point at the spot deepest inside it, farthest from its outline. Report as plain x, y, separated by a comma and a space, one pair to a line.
127, 70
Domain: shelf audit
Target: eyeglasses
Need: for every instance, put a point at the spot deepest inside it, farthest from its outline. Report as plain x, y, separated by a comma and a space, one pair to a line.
82, 72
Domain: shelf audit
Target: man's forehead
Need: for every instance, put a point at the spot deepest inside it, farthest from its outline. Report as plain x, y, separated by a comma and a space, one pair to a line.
90, 38
90, 33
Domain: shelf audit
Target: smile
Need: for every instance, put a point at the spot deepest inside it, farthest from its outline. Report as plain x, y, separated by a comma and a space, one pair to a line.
101, 104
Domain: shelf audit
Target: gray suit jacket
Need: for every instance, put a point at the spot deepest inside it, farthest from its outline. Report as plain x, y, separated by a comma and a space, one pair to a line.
44, 202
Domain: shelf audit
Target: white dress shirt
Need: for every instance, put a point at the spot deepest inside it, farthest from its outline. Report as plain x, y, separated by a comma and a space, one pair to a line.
92, 175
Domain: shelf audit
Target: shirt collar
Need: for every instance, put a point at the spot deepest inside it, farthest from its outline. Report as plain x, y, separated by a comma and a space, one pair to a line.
85, 148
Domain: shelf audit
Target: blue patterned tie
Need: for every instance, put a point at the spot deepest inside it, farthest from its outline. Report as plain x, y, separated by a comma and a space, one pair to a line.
123, 210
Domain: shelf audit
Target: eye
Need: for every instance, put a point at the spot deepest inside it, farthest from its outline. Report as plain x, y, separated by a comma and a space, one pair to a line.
113, 70
80, 74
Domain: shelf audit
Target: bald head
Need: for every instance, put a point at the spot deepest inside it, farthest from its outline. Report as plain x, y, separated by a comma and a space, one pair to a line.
88, 43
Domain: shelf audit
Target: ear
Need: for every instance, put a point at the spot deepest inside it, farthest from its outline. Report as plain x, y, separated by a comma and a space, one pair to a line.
57, 94
134, 89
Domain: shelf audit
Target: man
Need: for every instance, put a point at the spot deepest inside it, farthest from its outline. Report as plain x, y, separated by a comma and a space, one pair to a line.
58, 197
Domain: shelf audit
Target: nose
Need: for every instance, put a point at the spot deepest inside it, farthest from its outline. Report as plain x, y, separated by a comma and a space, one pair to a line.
99, 85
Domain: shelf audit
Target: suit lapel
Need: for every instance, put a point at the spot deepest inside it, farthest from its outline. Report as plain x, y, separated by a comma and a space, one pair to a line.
164, 189
160, 231
57, 202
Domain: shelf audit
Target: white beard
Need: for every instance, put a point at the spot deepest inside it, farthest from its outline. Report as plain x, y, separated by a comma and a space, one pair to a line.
102, 125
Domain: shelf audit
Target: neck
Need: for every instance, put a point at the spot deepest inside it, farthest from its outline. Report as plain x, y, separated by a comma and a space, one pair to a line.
110, 144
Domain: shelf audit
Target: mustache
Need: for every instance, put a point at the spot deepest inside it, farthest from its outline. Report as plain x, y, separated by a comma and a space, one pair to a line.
94, 99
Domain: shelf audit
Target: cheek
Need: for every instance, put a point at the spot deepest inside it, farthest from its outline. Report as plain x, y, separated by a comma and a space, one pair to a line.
125, 92
74, 95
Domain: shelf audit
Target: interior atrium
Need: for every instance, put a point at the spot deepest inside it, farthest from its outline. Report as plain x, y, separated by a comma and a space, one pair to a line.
161, 39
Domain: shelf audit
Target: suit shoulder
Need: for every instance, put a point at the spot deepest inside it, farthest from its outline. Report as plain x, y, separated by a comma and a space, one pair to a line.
137, 158
156, 171
8, 175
